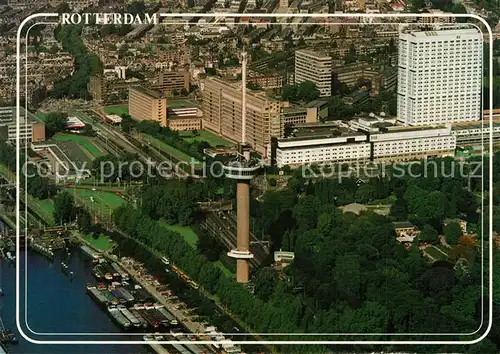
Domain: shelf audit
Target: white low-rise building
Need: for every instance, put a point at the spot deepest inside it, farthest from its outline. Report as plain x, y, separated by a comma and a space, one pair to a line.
335, 146
363, 140
404, 144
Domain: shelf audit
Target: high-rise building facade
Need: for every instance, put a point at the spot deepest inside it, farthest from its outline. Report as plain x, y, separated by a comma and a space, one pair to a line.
316, 67
440, 76
222, 113
145, 104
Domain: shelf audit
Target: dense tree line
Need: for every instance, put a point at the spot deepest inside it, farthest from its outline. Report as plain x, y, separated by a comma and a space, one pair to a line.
86, 64
349, 274
127, 167
304, 92
65, 211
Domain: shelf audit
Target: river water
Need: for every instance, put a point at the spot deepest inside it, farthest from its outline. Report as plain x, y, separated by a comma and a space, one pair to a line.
55, 304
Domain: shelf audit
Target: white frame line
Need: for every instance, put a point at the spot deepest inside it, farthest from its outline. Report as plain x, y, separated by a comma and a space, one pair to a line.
490, 229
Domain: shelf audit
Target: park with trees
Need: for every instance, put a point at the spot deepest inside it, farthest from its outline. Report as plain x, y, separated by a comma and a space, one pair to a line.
349, 273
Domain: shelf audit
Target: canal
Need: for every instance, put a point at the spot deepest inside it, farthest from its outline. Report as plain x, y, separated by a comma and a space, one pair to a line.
58, 305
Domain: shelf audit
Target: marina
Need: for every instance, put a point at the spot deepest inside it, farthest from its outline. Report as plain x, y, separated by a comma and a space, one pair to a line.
46, 281
117, 293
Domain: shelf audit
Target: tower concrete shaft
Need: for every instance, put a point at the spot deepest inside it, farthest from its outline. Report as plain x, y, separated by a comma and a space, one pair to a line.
243, 229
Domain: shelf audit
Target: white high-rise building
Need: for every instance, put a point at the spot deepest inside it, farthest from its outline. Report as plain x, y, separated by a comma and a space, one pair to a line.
315, 67
440, 76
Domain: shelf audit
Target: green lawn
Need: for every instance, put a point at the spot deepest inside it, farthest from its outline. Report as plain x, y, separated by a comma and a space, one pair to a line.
435, 253
178, 104
170, 150
83, 142
104, 200
103, 242
117, 109
205, 135
186, 232
43, 208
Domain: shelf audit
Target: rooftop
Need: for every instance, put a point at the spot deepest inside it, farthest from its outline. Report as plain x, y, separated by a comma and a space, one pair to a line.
146, 91
402, 224
321, 131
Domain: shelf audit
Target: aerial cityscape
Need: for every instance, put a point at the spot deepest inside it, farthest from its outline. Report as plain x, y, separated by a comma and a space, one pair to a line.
219, 176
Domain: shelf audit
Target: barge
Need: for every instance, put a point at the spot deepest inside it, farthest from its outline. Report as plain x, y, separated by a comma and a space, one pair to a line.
170, 318
97, 295
90, 252
118, 316
125, 312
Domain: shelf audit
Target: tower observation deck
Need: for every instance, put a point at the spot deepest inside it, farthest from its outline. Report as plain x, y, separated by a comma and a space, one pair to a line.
242, 169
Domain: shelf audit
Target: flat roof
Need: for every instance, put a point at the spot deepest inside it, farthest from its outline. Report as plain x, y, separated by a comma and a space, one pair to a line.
314, 53
321, 133
149, 92
316, 103
401, 224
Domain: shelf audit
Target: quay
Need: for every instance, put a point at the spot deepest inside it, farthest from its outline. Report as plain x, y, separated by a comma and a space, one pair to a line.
129, 266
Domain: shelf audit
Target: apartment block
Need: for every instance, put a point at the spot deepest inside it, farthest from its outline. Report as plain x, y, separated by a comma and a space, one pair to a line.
316, 67
146, 104
440, 75
108, 89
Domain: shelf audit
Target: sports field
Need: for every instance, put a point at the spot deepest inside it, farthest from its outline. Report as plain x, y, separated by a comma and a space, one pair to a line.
99, 201
116, 109
85, 143
205, 135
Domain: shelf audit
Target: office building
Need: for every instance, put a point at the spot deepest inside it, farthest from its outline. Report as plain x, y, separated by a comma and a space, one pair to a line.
31, 130
312, 112
412, 143
145, 104
316, 67
222, 113
170, 82
440, 75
